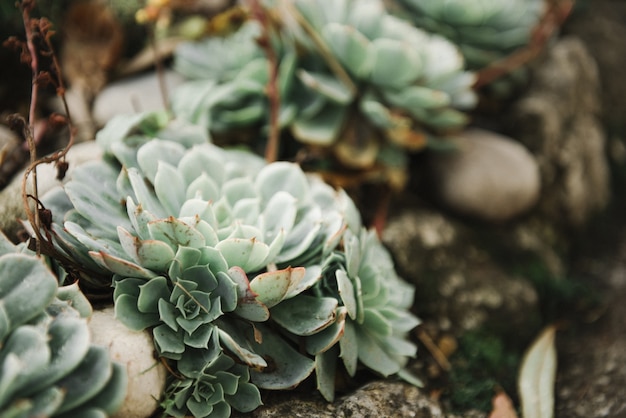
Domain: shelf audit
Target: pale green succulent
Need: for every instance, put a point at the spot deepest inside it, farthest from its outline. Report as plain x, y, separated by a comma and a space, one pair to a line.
226, 259
217, 385
358, 312
47, 365
351, 78
484, 30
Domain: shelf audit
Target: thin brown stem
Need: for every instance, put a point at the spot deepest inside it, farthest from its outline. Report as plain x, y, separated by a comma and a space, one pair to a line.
158, 64
26, 7
556, 13
273, 94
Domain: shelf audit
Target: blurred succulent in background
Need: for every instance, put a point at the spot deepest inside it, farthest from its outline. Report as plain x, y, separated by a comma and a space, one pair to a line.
487, 32
47, 365
484, 30
230, 261
352, 79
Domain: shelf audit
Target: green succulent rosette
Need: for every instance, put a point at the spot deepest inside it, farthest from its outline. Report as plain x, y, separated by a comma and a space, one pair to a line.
352, 79
47, 365
484, 30
217, 252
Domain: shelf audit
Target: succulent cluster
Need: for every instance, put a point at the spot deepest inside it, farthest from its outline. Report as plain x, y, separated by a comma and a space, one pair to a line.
233, 264
352, 79
47, 365
484, 30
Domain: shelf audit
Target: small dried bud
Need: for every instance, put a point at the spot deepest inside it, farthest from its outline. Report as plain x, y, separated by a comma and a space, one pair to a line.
45, 216
57, 120
44, 78
62, 167
17, 123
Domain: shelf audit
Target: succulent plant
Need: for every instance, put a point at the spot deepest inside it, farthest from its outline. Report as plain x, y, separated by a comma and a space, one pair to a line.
217, 252
47, 365
351, 78
484, 30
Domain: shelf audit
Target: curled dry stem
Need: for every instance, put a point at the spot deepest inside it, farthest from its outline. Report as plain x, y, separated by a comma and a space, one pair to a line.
553, 18
41, 28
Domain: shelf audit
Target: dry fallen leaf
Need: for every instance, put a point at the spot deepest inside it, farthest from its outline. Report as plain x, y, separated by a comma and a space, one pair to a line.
537, 376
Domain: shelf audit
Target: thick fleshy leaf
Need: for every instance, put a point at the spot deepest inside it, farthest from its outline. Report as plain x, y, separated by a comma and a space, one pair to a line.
417, 97
236, 346
69, 343
169, 187
144, 195
120, 266
127, 312
20, 276
396, 64
95, 195
24, 353
374, 356
376, 323
351, 47
346, 292
321, 129
279, 214
325, 367
176, 233
326, 85
281, 177
247, 398
89, 378
349, 348
112, 396
249, 254
169, 343
274, 286
305, 315
328, 337
150, 293
76, 299
287, 366
157, 152
151, 254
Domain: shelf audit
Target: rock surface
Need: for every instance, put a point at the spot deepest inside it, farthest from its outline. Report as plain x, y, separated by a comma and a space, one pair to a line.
488, 176
557, 119
379, 399
135, 352
131, 95
460, 287
601, 27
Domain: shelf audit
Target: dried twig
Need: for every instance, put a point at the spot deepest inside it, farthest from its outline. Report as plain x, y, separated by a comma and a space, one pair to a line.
556, 13
273, 95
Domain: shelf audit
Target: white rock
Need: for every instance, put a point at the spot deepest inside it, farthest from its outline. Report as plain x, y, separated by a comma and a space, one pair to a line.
135, 351
11, 206
489, 176
131, 95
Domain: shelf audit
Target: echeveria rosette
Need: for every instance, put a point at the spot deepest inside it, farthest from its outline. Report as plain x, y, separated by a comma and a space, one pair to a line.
213, 390
358, 82
47, 365
484, 30
359, 311
227, 259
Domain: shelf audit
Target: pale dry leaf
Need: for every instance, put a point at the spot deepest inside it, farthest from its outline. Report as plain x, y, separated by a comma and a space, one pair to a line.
537, 376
